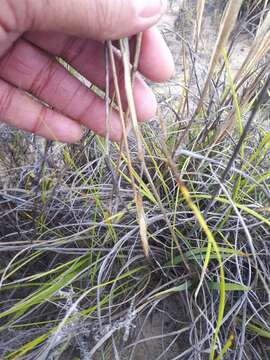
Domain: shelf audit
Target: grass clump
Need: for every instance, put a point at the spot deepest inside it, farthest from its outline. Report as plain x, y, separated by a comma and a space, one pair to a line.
172, 224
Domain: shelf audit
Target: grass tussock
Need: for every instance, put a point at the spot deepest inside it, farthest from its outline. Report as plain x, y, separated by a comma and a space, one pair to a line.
97, 238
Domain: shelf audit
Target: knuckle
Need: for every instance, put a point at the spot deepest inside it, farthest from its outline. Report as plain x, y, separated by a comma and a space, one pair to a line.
85, 111
7, 93
7, 19
73, 48
43, 78
15, 62
40, 120
15, 16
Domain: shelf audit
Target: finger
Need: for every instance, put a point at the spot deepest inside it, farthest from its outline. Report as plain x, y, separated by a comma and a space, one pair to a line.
156, 61
34, 71
19, 110
6, 43
98, 19
87, 57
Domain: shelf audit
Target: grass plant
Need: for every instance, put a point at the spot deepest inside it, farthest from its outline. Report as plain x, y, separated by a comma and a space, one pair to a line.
96, 236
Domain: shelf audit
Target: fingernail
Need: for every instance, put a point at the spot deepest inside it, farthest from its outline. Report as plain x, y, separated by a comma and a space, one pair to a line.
151, 8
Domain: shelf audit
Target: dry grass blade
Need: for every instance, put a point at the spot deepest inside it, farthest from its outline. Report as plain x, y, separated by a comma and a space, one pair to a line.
129, 74
229, 122
260, 47
198, 27
124, 46
258, 50
118, 98
225, 30
261, 98
142, 224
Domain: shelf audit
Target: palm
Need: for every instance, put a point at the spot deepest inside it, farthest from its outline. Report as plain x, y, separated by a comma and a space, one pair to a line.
28, 66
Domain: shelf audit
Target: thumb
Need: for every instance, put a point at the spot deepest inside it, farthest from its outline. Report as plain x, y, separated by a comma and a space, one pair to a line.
96, 19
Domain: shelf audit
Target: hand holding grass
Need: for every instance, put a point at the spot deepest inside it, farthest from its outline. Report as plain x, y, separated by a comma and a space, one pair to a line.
34, 33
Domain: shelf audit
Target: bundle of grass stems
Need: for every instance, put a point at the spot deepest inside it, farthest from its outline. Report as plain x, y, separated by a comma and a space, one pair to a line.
171, 224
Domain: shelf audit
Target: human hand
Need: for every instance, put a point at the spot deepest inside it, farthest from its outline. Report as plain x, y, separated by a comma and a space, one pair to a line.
34, 32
